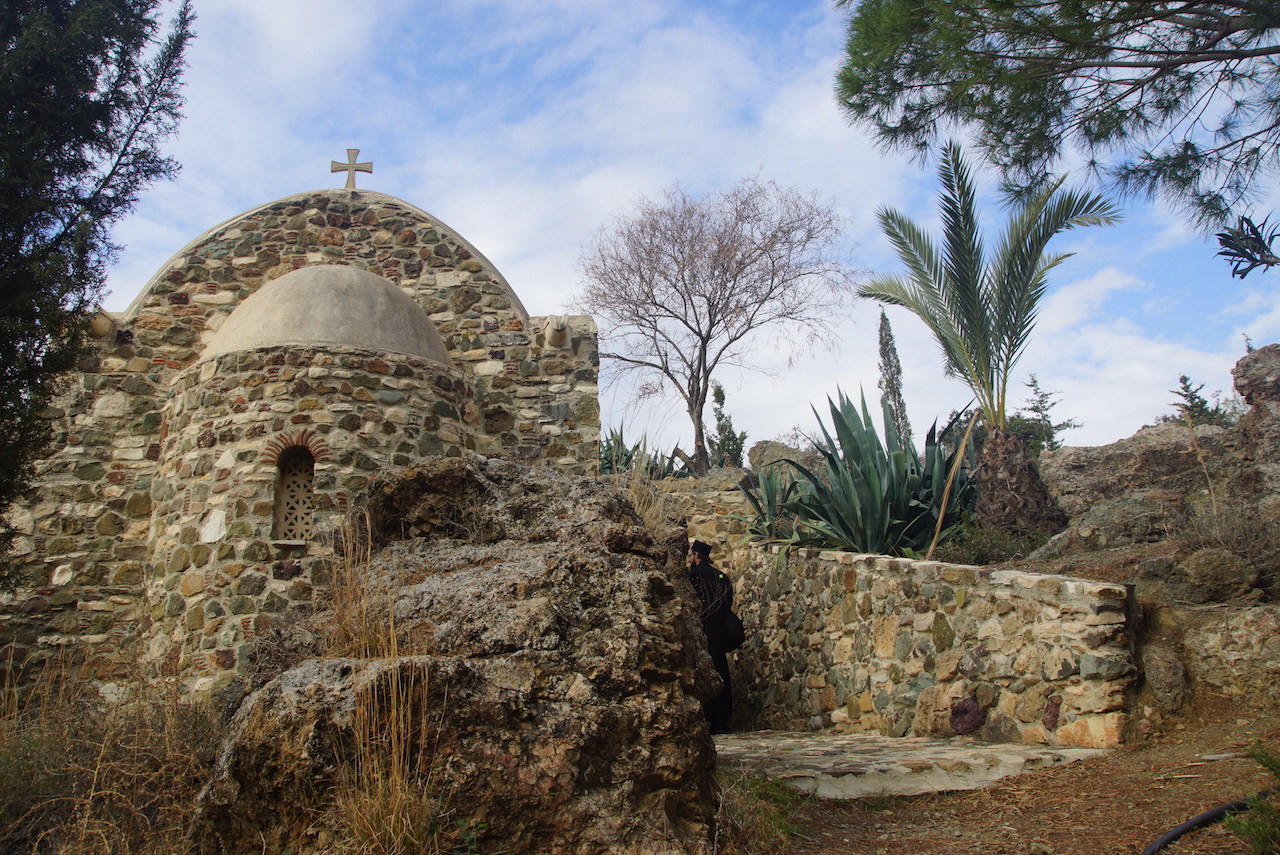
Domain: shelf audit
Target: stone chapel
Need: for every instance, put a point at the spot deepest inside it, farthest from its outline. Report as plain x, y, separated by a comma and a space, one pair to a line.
210, 448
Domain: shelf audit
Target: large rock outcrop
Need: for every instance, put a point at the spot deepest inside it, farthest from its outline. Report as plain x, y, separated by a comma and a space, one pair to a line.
535, 674
1191, 518
1165, 466
1257, 379
1174, 507
1166, 461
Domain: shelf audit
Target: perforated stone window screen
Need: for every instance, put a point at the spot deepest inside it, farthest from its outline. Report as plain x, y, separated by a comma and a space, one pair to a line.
295, 494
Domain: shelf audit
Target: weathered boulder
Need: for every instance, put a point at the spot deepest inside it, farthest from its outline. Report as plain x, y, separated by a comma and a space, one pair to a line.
1214, 575
1170, 458
1165, 676
1234, 650
1257, 379
766, 453
1141, 516
536, 677
1189, 516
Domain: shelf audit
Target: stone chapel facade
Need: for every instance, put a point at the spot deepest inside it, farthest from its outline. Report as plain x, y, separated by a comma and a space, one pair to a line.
211, 447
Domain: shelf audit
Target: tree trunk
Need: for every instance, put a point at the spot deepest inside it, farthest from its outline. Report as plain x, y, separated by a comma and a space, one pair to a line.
701, 464
1011, 494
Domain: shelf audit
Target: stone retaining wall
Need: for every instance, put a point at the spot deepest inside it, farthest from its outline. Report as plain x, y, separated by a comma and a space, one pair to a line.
1027, 647
896, 647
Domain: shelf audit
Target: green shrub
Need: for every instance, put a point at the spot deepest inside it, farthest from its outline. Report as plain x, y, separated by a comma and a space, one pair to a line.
1260, 825
973, 545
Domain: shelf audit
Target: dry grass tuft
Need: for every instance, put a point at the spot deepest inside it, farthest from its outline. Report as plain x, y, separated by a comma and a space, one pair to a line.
757, 816
83, 775
657, 508
392, 793
360, 615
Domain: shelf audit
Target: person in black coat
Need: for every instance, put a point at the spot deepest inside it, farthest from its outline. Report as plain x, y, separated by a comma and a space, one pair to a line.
715, 593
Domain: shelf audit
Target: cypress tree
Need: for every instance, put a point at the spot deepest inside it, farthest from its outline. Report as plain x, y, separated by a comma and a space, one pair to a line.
88, 91
727, 444
891, 383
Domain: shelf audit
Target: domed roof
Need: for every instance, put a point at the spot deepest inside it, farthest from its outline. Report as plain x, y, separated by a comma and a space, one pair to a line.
330, 305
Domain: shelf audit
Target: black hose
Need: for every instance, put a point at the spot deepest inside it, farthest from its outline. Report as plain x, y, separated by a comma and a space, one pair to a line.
1207, 818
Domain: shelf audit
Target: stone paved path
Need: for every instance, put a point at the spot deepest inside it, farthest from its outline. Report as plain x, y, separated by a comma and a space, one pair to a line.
853, 766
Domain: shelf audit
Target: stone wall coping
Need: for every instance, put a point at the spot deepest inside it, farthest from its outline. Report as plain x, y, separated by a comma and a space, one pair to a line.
1034, 585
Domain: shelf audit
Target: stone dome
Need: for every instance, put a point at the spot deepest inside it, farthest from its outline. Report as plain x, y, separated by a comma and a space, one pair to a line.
329, 305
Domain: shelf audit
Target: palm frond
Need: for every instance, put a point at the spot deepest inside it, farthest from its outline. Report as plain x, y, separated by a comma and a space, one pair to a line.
982, 312
964, 295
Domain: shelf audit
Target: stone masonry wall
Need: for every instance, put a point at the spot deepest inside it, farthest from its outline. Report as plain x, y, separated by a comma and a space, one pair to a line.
478, 315
216, 573
539, 401
896, 647
83, 536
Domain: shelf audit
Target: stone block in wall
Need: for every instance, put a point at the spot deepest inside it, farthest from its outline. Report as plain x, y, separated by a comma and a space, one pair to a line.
1093, 731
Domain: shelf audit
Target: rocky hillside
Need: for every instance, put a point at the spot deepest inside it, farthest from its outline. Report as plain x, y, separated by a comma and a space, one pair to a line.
1190, 517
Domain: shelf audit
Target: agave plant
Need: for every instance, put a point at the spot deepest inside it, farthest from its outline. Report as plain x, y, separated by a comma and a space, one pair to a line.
935, 467
770, 519
616, 457
876, 496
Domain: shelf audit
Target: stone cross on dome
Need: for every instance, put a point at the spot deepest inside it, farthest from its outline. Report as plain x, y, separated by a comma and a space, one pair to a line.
351, 167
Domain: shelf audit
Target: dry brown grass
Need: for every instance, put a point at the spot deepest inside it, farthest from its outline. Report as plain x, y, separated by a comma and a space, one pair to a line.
656, 507
757, 816
392, 795
359, 615
80, 774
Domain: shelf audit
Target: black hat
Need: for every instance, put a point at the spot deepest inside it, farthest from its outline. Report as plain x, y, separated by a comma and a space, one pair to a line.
700, 549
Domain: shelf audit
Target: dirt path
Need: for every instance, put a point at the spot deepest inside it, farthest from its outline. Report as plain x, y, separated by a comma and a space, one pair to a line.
1120, 803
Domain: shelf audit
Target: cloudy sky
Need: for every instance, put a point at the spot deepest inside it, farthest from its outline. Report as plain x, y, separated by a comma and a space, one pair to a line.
527, 124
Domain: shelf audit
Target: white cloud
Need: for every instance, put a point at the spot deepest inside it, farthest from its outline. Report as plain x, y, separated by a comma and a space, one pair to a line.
1079, 301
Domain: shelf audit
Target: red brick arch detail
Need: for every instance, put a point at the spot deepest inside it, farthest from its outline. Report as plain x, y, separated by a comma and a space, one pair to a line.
305, 437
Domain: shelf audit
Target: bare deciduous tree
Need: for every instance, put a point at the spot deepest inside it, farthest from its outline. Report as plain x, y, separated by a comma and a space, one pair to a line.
681, 284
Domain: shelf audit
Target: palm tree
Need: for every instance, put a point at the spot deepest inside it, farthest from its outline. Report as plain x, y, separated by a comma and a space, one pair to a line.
982, 313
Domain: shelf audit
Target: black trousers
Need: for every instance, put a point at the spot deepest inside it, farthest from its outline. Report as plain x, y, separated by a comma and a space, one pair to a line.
719, 709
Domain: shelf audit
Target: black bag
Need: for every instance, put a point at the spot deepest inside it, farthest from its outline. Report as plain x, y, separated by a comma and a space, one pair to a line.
735, 634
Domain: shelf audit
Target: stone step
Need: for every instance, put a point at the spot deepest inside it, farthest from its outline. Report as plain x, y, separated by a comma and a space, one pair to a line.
854, 766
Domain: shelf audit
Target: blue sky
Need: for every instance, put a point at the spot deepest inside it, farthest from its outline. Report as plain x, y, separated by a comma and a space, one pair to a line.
527, 124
